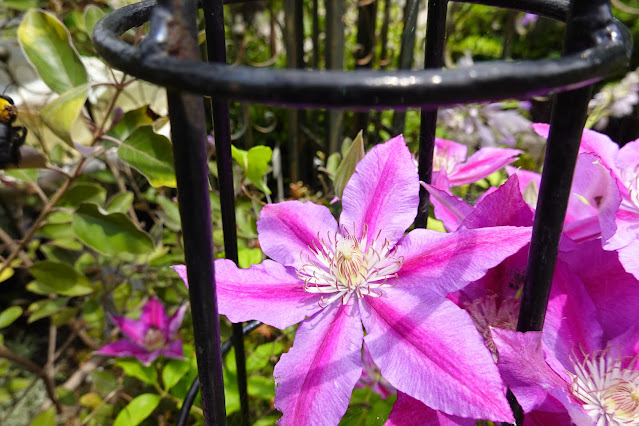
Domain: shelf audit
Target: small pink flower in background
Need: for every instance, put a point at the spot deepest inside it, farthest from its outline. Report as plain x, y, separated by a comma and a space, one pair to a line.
372, 377
619, 212
335, 278
149, 337
452, 168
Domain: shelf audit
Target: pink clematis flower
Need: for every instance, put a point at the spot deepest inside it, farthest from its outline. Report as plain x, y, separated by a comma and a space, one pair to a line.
335, 278
451, 168
583, 364
619, 212
153, 335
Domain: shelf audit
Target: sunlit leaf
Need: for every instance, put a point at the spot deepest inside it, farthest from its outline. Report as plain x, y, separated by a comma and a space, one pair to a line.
92, 14
45, 418
9, 315
133, 368
347, 167
109, 233
120, 202
45, 308
150, 154
61, 113
82, 193
47, 44
62, 278
173, 371
137, 410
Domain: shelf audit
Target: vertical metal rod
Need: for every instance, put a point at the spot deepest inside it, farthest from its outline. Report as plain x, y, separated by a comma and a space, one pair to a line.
216, 51
406, 53
435, 34
585, 19
365, 54
186, 113
334, 49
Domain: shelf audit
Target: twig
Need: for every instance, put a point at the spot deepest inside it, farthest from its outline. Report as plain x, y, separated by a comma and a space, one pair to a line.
6, 238
35, 369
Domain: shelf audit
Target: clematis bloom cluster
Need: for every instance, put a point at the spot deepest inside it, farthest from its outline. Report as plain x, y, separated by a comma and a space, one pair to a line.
363, 280
153, 335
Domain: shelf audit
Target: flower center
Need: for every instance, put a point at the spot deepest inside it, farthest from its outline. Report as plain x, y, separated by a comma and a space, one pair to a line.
443, 161
489, 312
630, 175
609, 392
153, 340
344, 265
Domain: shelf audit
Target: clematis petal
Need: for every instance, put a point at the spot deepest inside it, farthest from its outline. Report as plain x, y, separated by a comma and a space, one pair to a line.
268, 292
153, 314
591, 141
175, 321
545, 418
124, 348
449, 209
503, 207
429, 348
615, 291
629, 258
481, 164
134, 330
174, 350
522, 365
448, 154
383, 193
571, 328
315, 379
447, 262
408, 411
287, 230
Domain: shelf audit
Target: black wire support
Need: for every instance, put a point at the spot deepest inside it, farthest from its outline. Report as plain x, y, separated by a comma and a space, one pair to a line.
216, 51
189, 399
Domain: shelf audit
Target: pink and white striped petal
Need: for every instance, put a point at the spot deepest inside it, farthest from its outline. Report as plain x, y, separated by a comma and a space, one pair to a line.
175, 321
315, 378
125, 348
408, 411
268, 292
481, 164
450, 209
383, 193
153, 315
522, 364
134, 330
444, 263
429, 348
287, 230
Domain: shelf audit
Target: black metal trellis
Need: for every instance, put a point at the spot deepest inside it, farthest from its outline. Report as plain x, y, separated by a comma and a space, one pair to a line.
595, 45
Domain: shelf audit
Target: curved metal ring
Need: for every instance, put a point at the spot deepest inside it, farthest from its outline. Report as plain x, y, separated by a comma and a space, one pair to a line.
365, 90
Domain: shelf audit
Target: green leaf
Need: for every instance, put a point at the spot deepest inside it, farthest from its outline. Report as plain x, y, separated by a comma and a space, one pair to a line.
261, 387
6, 274
44, 308
173, 371
9, 315
260, 357
120, 202
21, 4
150, 154
47, 44
132, 367
347, 166
171, 213
62, 278
132, 120
39, 288
109, 233
56, 231
45, 418
259, 158
248, 257
60, 114
139, 409
82, 193
25, 175
92, 14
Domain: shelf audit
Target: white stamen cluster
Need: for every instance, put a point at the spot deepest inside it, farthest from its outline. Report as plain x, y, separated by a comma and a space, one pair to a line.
609, 392
442, 161
490, 311
343, 265
630, 175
